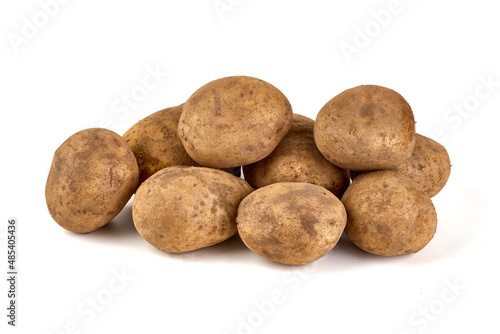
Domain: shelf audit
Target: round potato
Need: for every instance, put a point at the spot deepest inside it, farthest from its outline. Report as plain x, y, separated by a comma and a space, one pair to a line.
93, 175
180, 209
155, 142
297, 159
366, 128
291, 223
234, 121
388, 215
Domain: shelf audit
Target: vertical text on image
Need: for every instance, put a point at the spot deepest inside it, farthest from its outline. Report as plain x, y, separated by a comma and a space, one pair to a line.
12, 272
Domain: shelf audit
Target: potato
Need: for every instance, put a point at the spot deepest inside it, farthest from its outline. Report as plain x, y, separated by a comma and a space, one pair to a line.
180, 209
388, 215
365, 128
290, 222
428, 166
297, 159
234, 121
93, 175
155, 142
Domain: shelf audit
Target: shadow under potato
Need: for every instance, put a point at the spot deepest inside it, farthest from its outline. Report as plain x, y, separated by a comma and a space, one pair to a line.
230, 250
344, 256
120, 226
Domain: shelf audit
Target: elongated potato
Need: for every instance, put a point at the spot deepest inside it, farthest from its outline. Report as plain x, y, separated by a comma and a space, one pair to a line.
180, 209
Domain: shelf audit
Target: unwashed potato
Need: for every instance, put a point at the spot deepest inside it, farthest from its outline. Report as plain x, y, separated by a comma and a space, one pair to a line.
429, 166
93, 175
388, 215
234, 121
155, 142
291, 223
297, 159
366, 128
180, 209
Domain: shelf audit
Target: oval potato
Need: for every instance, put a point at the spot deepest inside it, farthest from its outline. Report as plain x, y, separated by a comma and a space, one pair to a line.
93, 175
155, 142
366, 128
291, 223
428, 167
388, 215
234, 121
297, 159
180, 209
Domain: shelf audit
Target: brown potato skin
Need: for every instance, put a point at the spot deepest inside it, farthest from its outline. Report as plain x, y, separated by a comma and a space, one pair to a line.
388, 215
234, 121
155, 142
429, 166
365, 128
180, 209
291, 223
297, 159
93, 175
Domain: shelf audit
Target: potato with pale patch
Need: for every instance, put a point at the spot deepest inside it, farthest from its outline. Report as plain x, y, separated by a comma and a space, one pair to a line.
155, 142
388, 215
234, 121
297, 159
93, 175
180, 209
291, 223
365, 128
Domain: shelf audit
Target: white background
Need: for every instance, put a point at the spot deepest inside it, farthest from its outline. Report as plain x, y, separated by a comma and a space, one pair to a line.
71, 73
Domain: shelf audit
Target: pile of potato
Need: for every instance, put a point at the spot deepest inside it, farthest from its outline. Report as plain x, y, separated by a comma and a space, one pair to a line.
296, 198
